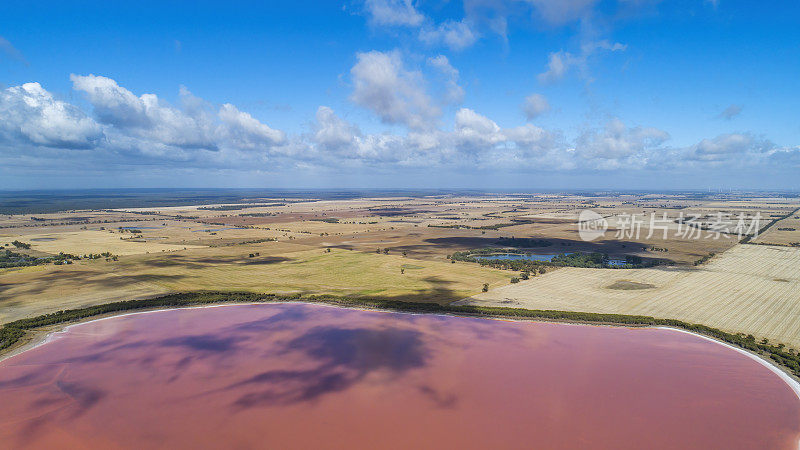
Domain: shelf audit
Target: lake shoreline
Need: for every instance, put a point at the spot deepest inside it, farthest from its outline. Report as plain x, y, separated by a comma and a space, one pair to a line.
41, 335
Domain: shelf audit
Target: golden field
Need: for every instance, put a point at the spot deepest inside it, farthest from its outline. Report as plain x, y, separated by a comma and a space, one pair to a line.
279, 268
752, 289
337, 247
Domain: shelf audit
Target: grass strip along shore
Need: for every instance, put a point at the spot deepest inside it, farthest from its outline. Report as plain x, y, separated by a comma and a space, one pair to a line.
12, 332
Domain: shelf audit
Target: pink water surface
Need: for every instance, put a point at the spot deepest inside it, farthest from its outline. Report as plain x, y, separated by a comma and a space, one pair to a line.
308, 376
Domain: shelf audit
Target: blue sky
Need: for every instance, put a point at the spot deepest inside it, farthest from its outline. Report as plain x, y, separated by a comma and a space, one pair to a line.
519, 94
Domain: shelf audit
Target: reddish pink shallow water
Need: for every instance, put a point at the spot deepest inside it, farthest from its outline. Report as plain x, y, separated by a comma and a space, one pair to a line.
305, 376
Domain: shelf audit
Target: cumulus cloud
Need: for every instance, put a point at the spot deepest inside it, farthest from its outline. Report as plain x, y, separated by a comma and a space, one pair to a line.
31, 115
335, 140
246, 132
474, 139
455, 35
478, 139
474, 132
730, 112
787, 157
454, 92
617, 144
534, 106
383, 85
728, 147
146, 116
332, 133
150, 121
130, 130
533, 140
559, 63
393, 12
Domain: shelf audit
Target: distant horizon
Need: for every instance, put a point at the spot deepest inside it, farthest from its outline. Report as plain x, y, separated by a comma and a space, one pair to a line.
488, 190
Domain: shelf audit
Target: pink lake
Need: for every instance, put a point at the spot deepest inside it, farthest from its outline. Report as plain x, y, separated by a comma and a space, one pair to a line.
308, 376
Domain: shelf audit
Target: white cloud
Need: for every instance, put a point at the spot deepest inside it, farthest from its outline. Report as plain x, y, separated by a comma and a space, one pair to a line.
331, 133
246, 132
393, 12
532, 139
31, 115
149, 123
454, 92
617, 144
383, 85
559, 63
147, 116
112, 103
334, 141
455, 35
39, 130
786, 157
729, 147
474, 132
534, 106
474, 139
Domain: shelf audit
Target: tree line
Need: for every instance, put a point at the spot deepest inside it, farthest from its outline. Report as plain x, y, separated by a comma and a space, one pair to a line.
12, 332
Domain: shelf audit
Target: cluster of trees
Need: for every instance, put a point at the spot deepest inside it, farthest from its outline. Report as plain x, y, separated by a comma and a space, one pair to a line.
20, 244
592, 260
704, 259
14, 259
238, 207
107, 255
256, 241
13, 331
496, 226
65, 258
260, 214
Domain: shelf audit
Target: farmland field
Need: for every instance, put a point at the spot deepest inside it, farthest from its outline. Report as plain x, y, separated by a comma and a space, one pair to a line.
398, 247
750, 289
279, 268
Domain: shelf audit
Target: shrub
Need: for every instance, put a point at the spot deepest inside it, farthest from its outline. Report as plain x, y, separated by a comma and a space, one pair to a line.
19, 244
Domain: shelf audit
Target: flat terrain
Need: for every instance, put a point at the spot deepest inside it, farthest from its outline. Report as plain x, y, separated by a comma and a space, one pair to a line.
398, 247
752, 289
783, 232
279, 268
